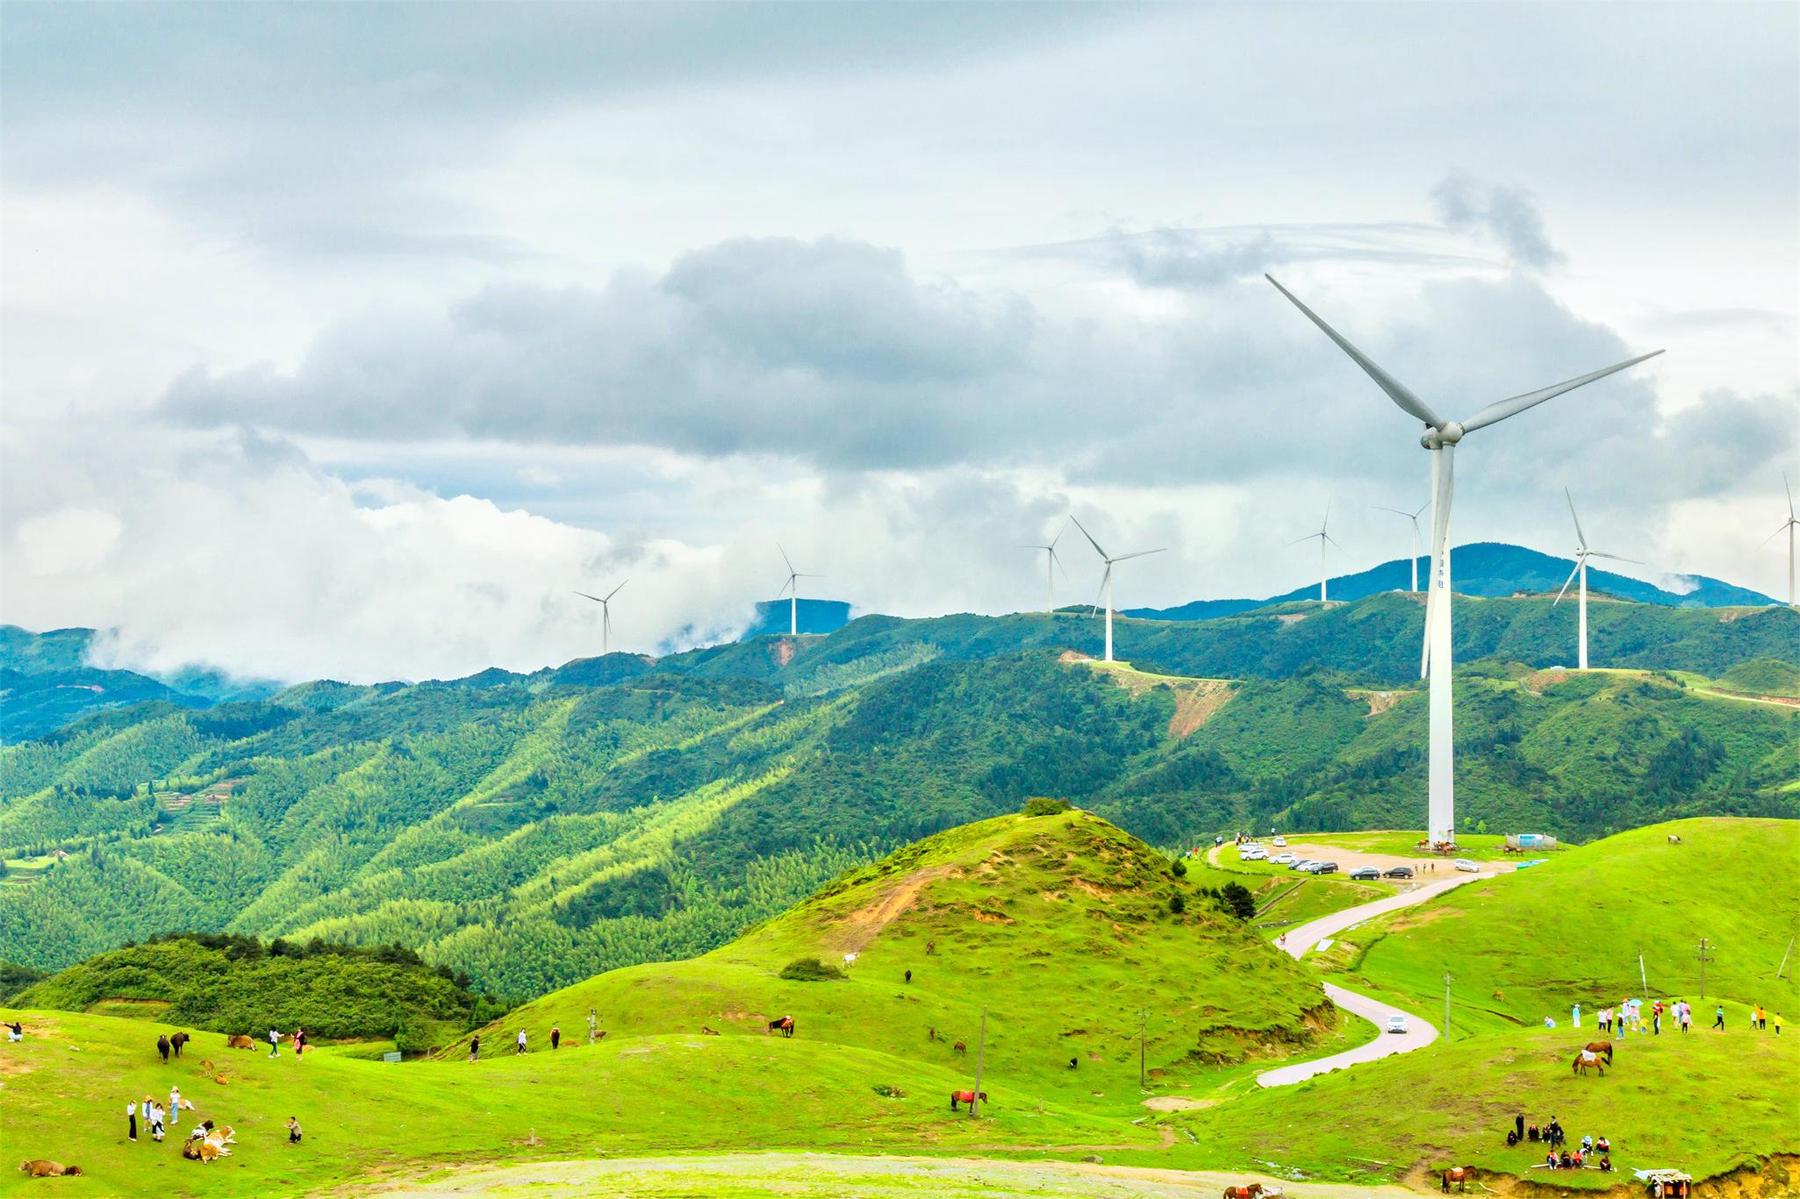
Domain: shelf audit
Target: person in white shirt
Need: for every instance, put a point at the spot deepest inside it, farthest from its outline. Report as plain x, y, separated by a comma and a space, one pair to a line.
521, 1048
174, 1106
274, 1042
131, 1119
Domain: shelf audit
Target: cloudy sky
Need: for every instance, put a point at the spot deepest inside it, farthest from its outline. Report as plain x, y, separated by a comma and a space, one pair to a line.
348, 339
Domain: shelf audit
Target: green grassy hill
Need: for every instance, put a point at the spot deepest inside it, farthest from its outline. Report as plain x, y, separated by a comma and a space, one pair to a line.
1529, 945
239, 984
1060, 925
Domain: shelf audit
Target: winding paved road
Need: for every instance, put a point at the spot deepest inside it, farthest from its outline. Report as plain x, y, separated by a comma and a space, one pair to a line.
1418, 1033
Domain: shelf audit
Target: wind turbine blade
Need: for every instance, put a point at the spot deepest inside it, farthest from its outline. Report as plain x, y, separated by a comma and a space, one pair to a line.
1777, 532
1579, 535
1501, 409
1139, 554
1570, 579
1613, 557
1430, 615
1421, 511
1396, 390
598, 600
1088, 535
1059, 536
1331, 539
1395, 511
617, 589
784, 557
1101, 594
1790, 493
1308, 537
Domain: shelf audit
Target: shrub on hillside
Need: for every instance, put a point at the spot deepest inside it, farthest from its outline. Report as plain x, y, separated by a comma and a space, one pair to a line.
1041, 805
810, 970
1237, 900
1177, 904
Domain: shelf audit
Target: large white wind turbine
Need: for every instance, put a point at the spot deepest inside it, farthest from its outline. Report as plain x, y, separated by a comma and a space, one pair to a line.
792, 587
605, 602
1051, 562
1580, 572
1323, 537
1441, 437
1787, 526
1418, 535
1106, 593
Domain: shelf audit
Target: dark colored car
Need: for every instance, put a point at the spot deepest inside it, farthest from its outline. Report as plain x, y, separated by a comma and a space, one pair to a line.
1327, 868
1399, 872
1363, 874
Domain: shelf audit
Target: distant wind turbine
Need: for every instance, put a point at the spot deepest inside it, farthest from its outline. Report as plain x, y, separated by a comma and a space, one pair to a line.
1323, 537
1418, 535
1051, 562
1787, 526
1106, 592
1440, 437
792, 587
605, 602
1580, 572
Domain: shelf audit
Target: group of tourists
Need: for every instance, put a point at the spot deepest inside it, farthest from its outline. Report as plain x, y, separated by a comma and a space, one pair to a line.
156, 1118
1628, 1017
1590, 1153
522, 1042
297, 1039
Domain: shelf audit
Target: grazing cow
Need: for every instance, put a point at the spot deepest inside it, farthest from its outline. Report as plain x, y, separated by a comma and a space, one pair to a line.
959, 1047
39, 1167
1460, 1175
783, 1025
1074, 1062
967, 1097
1603, 1048
237, 1041
1585, 1061
162, 1047
930, 948
1674, 839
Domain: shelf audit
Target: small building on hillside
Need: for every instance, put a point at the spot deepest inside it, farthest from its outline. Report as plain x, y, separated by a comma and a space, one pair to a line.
1530, 841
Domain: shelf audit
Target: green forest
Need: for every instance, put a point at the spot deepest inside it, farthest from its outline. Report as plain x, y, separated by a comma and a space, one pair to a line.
527, 831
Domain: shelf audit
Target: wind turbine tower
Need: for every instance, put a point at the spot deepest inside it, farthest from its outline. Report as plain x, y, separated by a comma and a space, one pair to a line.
1323, 537
792, 587
605, 602
1580, 572
1788, 526
1418, 536
1440, 438
1051, 562
1106, 592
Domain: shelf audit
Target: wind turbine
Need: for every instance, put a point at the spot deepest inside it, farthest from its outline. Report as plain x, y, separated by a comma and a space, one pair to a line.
1323, 537
605, 602
1441, 437
1106, 579
1787, 527
1051, 562
1581, 559
792, 587
1418, 535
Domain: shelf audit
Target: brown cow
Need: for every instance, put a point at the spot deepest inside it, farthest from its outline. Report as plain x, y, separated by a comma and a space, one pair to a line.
39, 1167
238, 1041
959, 1047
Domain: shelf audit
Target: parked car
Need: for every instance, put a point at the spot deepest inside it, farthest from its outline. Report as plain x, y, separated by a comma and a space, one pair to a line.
1399, 872
1253, 853
1326, 868
1465, 864
1364, 874
1285, 859
1302, 864
1281, 841
1396, 1022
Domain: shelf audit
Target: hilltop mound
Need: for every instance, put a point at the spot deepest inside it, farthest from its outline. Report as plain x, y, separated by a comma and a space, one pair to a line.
1062, 927
1530, 944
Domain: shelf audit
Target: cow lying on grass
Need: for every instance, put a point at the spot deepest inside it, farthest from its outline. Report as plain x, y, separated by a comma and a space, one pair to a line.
39, 1167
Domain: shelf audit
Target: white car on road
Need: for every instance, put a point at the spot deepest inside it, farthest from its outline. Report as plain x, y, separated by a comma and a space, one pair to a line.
1465, 864
1284, 859
1397, 1022
1280, 842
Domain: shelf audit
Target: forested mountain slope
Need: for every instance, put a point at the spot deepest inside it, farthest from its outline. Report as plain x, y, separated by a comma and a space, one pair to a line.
530, 831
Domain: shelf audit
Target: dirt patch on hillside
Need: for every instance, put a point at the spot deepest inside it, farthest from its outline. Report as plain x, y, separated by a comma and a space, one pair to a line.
1196, 704
1178, 1103
1378, 701
1070, 655
858, 928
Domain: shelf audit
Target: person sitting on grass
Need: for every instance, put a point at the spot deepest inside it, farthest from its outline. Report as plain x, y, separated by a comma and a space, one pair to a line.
1565, 1162
1550, 1159
1603, 1145
1605, 1164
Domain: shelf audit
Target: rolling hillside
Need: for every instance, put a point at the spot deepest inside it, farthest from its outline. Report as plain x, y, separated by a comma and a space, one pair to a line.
530, 831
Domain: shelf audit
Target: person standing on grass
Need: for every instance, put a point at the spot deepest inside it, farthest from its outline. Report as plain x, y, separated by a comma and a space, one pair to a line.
1575, 1016
1778, 1024
475, 1047
293, 1130
174, 1106
521, 1042
1719, 1017
131, 1120
274, 1042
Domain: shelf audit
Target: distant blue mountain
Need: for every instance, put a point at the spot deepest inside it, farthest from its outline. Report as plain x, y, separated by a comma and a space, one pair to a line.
1487, 568
815, 616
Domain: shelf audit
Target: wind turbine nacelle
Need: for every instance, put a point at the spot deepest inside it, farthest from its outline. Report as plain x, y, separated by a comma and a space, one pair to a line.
1449, 434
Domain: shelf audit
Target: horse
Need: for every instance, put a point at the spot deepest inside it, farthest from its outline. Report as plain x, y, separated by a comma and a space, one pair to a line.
1603, 1048
1460, 1175
1249, 1192
239, 1041
959, 1047
39, 1167
783, 1025
968, 1097
1585, 1061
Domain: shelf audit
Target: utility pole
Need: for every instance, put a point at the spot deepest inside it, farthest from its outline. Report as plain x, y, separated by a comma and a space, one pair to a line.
980, 1056
1141, 1017
1446, 1006
1782, 969
1705, 957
